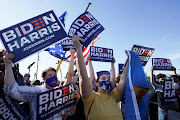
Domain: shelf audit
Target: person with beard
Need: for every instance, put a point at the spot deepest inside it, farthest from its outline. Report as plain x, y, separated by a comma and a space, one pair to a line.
28, 93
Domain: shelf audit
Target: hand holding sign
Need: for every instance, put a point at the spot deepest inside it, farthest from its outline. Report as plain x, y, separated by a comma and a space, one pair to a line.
76, 40
89, 57
173, 68
8, 57
76, 95
113, 60
72, 51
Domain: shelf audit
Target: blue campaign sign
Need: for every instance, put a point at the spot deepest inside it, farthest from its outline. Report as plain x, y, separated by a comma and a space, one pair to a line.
120, 68
143, 52
101, 54
161, 64
10, 109
168, 96
67, 44
32, 35
87, 27
103, 72
54, 101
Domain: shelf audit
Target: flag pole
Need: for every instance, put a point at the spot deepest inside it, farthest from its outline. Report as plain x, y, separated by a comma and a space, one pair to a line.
61, 74
35, 75
60, 62
87, 7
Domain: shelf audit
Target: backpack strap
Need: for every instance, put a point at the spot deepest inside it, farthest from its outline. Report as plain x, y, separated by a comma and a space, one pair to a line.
90, 107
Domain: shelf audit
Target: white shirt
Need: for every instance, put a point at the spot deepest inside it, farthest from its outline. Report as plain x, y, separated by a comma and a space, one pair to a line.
29, 94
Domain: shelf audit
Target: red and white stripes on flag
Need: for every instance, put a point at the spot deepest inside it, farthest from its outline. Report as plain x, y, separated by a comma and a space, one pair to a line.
85, 51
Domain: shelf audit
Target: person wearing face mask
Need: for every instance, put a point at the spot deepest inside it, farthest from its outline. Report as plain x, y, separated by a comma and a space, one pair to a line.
100, 105
105, 84
155, 111
28, 93
92, 76
158, 86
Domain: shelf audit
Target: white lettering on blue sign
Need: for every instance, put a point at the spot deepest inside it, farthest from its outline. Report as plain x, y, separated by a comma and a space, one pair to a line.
47, 106
55, 98
160, 62
5, 112
141, 51
85, 26
169, 89
67, 42
27, 29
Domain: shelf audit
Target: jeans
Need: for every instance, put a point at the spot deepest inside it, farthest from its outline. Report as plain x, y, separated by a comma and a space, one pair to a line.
161, 114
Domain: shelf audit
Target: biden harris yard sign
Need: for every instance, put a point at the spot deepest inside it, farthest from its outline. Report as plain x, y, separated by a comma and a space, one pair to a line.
87, 27
161, 64
168, 95
67, 44
101, 54
32, 35
54, 101
11, 110
120, 68
143, 52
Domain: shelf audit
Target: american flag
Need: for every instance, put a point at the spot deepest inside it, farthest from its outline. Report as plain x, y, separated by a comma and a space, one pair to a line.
85, 51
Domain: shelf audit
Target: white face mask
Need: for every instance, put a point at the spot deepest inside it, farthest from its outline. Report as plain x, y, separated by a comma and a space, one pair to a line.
176, 86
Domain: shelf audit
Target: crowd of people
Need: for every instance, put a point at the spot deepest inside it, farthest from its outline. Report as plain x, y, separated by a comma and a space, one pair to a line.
97, 99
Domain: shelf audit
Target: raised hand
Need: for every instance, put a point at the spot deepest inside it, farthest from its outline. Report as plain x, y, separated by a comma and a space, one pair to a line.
8, 57
72, 51
76, 40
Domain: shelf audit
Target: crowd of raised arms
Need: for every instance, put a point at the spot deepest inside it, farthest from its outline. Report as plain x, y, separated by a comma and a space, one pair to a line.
100, 98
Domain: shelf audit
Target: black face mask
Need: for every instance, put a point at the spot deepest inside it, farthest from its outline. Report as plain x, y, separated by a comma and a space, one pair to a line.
161, 82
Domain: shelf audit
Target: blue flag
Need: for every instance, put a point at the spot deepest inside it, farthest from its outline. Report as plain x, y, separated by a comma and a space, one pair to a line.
63, 18
136, 95
56, 51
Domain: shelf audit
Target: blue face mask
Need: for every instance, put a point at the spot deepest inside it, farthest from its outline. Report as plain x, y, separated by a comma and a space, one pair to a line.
105, 85
51, 81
